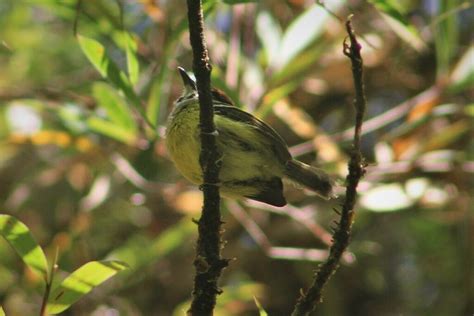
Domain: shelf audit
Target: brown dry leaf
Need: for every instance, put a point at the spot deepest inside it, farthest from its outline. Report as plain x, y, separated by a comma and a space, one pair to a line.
153, 10
423, 108
407, 146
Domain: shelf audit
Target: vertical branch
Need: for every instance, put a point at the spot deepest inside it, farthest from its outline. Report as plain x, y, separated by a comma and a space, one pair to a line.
208, 261
307, 301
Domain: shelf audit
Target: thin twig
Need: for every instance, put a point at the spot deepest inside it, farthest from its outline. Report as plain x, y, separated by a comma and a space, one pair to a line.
49, 283
262, 240
76, 17
304, 216
208, 261
378, 122
307, 301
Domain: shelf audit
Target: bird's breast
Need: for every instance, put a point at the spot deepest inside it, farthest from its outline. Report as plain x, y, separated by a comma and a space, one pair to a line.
182, 142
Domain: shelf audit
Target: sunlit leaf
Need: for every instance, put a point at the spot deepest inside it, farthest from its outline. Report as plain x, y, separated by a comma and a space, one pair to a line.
81, 282
274, 95
159, 84
416, 187
304, 30
73, 117
20, 238
446, 35
110, 129
296, 68
2, 313
390, 11
99, 192
386, 198
96, 54
296, 118
117, 110
269, 33
133, 66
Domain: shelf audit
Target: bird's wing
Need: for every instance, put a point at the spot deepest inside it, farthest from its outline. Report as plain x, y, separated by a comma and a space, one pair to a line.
234, 113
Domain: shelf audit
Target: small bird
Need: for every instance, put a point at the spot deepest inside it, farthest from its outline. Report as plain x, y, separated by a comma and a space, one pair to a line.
254, 157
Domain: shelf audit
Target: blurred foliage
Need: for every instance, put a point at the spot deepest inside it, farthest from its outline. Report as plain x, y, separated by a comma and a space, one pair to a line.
83, 165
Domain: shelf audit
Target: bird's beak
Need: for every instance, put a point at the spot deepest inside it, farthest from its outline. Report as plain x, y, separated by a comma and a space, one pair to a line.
188, 82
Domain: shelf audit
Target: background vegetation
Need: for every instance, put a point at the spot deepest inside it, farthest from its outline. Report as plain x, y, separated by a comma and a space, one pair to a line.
80, 165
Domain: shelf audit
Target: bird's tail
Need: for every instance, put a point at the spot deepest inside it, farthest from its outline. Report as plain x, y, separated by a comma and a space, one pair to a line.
313, 178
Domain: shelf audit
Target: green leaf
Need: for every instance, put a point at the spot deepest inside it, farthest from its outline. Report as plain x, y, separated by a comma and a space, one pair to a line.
274, 95
2, 313
297, 68
117, 110
133, 66
140, 250
390, 11
446, 33
156, 94
269, 33
20, 238
96, 54
110, 129
81, 282
73, 117
303, 31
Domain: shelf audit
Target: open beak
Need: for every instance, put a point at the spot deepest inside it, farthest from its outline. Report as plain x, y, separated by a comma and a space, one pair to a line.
187, 80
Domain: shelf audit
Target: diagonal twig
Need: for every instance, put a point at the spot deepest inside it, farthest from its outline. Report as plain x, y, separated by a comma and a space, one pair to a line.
308, 300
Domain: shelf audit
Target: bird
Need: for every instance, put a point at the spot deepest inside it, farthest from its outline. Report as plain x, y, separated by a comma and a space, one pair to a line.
254, 157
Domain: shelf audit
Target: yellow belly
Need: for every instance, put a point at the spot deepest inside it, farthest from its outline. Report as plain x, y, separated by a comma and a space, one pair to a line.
183, 144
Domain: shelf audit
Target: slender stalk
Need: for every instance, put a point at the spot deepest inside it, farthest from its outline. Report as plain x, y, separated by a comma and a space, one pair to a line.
307, 301
49, 282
